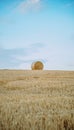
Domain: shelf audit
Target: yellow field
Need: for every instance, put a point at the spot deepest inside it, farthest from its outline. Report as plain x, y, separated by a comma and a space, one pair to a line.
36, 100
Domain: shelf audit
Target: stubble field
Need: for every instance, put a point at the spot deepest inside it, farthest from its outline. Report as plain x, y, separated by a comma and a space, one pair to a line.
36, 100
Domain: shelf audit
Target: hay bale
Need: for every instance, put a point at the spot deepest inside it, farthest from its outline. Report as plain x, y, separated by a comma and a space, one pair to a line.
38, 65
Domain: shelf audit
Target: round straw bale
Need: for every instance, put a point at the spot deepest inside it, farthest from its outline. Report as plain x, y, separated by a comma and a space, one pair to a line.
38, 65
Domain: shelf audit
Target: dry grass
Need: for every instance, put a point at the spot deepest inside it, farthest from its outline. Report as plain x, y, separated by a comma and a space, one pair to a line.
36, 100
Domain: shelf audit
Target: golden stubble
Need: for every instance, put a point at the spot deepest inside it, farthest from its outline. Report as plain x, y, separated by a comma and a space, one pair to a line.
36, 100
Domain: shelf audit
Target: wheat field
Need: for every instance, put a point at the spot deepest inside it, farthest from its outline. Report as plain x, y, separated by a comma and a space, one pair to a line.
36, 100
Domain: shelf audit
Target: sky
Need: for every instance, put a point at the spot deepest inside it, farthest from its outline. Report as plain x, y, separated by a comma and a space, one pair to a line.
37, 30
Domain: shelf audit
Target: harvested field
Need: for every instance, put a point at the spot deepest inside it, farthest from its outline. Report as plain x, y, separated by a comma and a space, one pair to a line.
36, 100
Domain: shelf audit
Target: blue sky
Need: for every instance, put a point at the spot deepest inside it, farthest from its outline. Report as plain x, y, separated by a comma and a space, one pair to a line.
32, 30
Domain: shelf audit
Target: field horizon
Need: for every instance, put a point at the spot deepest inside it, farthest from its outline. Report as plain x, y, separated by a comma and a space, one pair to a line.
36, 99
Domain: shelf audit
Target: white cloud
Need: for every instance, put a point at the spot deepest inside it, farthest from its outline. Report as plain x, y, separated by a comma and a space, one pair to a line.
24, 66
55, 57
27, 5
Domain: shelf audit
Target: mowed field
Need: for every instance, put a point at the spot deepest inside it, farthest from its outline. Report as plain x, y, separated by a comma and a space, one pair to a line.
36, 100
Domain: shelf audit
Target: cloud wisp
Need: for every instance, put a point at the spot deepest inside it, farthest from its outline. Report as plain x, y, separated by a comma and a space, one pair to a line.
29, 5
70, 4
